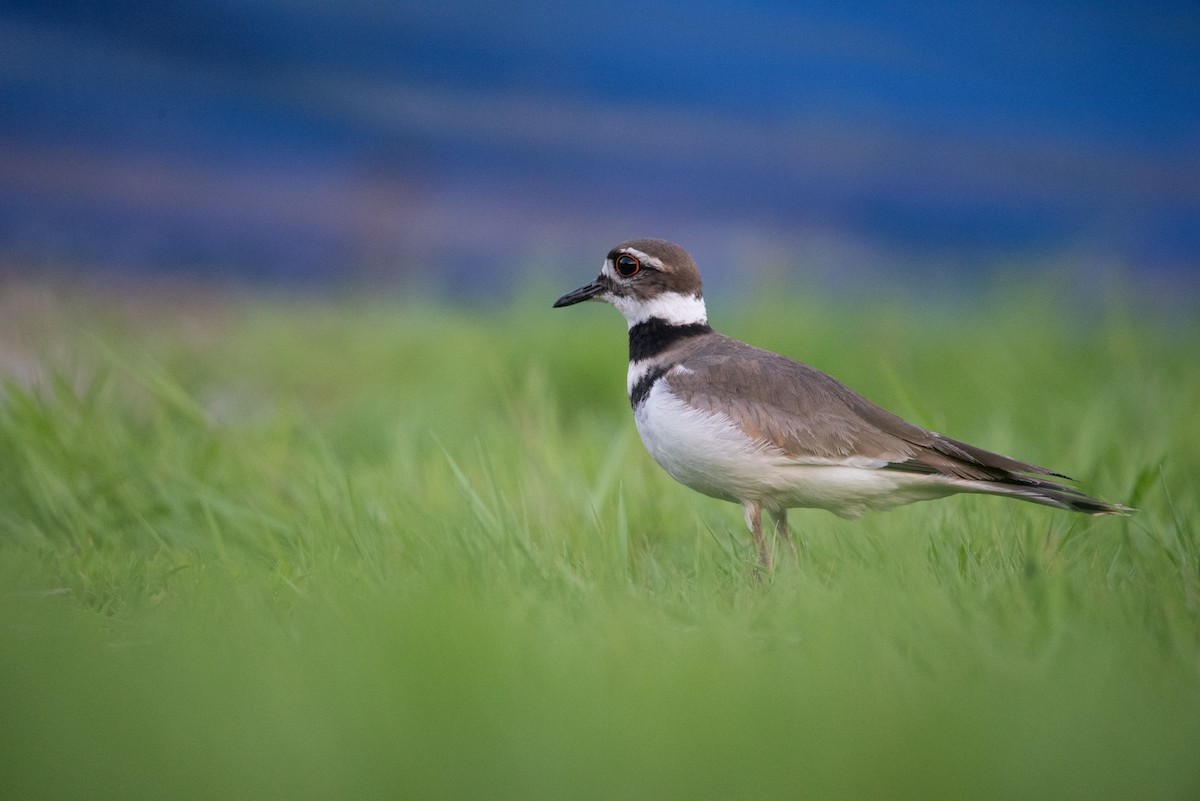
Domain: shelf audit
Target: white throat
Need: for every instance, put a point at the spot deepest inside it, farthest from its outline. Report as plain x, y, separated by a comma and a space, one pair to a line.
671, 307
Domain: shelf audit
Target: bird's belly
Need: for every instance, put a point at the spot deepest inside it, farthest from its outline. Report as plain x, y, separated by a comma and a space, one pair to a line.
710, 454
703, 451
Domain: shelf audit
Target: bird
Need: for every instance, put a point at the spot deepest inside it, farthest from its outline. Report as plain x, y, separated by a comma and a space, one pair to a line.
759, 429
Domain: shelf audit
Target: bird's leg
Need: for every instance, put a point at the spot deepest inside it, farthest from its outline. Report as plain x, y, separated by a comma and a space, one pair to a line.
779, 517
753, 513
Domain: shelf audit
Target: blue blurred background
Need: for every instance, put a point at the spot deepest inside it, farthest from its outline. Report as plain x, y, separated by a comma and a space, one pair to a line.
442, 146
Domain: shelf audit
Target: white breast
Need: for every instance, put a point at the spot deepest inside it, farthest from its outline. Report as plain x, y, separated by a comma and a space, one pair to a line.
710, 454
706, 452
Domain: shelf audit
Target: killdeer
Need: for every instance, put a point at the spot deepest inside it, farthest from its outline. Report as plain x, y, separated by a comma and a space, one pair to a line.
749, 426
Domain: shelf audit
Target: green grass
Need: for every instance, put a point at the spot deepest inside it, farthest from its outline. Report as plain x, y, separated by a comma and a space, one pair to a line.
283, 548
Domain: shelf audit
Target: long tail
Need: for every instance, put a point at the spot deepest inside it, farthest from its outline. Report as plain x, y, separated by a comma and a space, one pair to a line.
974, 469
1048, 493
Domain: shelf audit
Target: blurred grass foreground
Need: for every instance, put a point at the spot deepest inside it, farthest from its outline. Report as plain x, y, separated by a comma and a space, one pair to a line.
281, 548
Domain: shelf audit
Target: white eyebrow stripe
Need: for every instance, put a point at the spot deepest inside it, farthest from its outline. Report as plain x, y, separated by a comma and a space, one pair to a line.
645, 258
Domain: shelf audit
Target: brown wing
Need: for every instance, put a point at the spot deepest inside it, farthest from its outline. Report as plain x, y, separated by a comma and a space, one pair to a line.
810, 415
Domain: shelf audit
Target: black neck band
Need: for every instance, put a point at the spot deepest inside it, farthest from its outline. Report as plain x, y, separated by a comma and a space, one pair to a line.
651, 337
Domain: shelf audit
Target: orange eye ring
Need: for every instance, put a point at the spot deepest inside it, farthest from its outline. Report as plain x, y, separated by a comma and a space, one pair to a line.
627, 266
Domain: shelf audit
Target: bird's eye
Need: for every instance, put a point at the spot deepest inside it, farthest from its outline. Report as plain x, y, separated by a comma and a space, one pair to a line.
627, 265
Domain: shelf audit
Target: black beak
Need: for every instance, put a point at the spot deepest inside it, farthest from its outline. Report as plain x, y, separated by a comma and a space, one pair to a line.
579, 295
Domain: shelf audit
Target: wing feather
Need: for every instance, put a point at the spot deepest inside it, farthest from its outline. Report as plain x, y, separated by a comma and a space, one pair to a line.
813, 417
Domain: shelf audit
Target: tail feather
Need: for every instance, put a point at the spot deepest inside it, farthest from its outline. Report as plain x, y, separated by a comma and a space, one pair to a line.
977, 470
1048, 493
